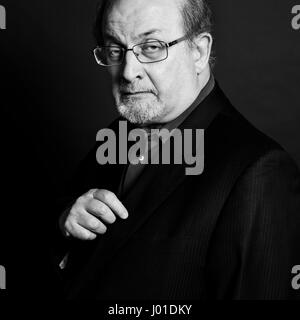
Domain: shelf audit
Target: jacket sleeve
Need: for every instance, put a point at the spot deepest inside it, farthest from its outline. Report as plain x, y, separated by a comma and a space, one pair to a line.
256, 241
82, 181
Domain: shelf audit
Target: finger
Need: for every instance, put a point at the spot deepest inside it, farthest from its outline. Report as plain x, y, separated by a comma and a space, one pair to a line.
111, 200
100, 210
79, 232
91, 223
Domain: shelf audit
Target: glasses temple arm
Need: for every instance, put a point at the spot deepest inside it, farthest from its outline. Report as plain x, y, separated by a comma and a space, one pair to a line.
170, 44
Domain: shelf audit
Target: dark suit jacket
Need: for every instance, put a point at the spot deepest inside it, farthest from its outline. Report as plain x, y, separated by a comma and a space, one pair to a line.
232, 232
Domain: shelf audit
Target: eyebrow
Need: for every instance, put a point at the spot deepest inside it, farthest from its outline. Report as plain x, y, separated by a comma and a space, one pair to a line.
109, 36
148, 33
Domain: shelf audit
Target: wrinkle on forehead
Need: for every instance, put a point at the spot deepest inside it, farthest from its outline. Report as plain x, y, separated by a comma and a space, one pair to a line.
128, 21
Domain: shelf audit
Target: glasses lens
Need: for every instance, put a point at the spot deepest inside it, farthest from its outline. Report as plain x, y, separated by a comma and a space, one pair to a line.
151, 51
109, 56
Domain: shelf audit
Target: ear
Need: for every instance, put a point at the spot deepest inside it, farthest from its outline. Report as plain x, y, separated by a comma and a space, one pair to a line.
202, 51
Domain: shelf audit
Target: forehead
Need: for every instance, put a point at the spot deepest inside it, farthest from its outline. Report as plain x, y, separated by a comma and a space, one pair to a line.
134, 19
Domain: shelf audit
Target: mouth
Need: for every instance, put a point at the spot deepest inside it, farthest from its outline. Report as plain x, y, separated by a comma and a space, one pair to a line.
129, 93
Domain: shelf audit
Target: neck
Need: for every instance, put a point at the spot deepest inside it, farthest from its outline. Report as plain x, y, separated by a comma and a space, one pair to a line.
203, 78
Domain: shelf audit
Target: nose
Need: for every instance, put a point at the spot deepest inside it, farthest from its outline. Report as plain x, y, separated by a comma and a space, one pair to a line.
132, 68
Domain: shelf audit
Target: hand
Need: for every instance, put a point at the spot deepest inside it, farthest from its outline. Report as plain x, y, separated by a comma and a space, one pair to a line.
90, 213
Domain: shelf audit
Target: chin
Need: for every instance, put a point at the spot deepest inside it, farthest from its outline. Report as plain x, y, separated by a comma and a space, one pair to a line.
139, 112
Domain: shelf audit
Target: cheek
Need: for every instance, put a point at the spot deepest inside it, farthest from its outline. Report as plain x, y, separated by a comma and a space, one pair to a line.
114, 73
114, 83
167, 80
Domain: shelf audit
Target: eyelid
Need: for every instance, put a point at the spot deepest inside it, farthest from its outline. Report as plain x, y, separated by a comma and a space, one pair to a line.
113, 44
150, 40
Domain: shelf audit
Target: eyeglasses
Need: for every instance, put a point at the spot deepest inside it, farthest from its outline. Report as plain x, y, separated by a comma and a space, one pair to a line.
146, 52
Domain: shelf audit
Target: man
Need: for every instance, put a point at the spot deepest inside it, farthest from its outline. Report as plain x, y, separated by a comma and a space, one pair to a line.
151, 231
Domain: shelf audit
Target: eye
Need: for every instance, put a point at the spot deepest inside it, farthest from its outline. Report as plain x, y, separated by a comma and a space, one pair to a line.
152, 47
114, 52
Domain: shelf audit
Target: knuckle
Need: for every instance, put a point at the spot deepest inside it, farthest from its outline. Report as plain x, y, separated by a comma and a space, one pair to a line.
98, 206
93, 224
72, 213
68, 225
70, 228
92, 191
82, 234
91, 206
103, 209
80, 200
106, 195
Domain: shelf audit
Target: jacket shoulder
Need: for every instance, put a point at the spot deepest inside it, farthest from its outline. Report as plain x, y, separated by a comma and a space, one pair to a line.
237, 137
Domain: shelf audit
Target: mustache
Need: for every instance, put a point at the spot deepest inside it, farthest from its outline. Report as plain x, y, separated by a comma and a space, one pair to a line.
132, 88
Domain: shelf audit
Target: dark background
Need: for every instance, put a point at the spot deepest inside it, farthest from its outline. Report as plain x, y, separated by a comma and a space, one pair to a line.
54, 99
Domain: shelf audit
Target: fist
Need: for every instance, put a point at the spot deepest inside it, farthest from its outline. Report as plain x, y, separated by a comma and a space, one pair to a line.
91, 213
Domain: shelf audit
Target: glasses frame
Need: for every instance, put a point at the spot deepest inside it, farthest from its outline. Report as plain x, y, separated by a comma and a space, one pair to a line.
125, 50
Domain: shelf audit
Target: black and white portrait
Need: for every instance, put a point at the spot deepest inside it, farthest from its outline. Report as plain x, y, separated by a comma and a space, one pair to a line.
151, 150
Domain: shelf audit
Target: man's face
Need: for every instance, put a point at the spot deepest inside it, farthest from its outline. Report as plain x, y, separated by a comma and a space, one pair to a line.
156, 92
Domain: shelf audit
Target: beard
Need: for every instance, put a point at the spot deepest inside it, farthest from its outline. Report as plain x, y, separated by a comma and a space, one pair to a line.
141, 109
